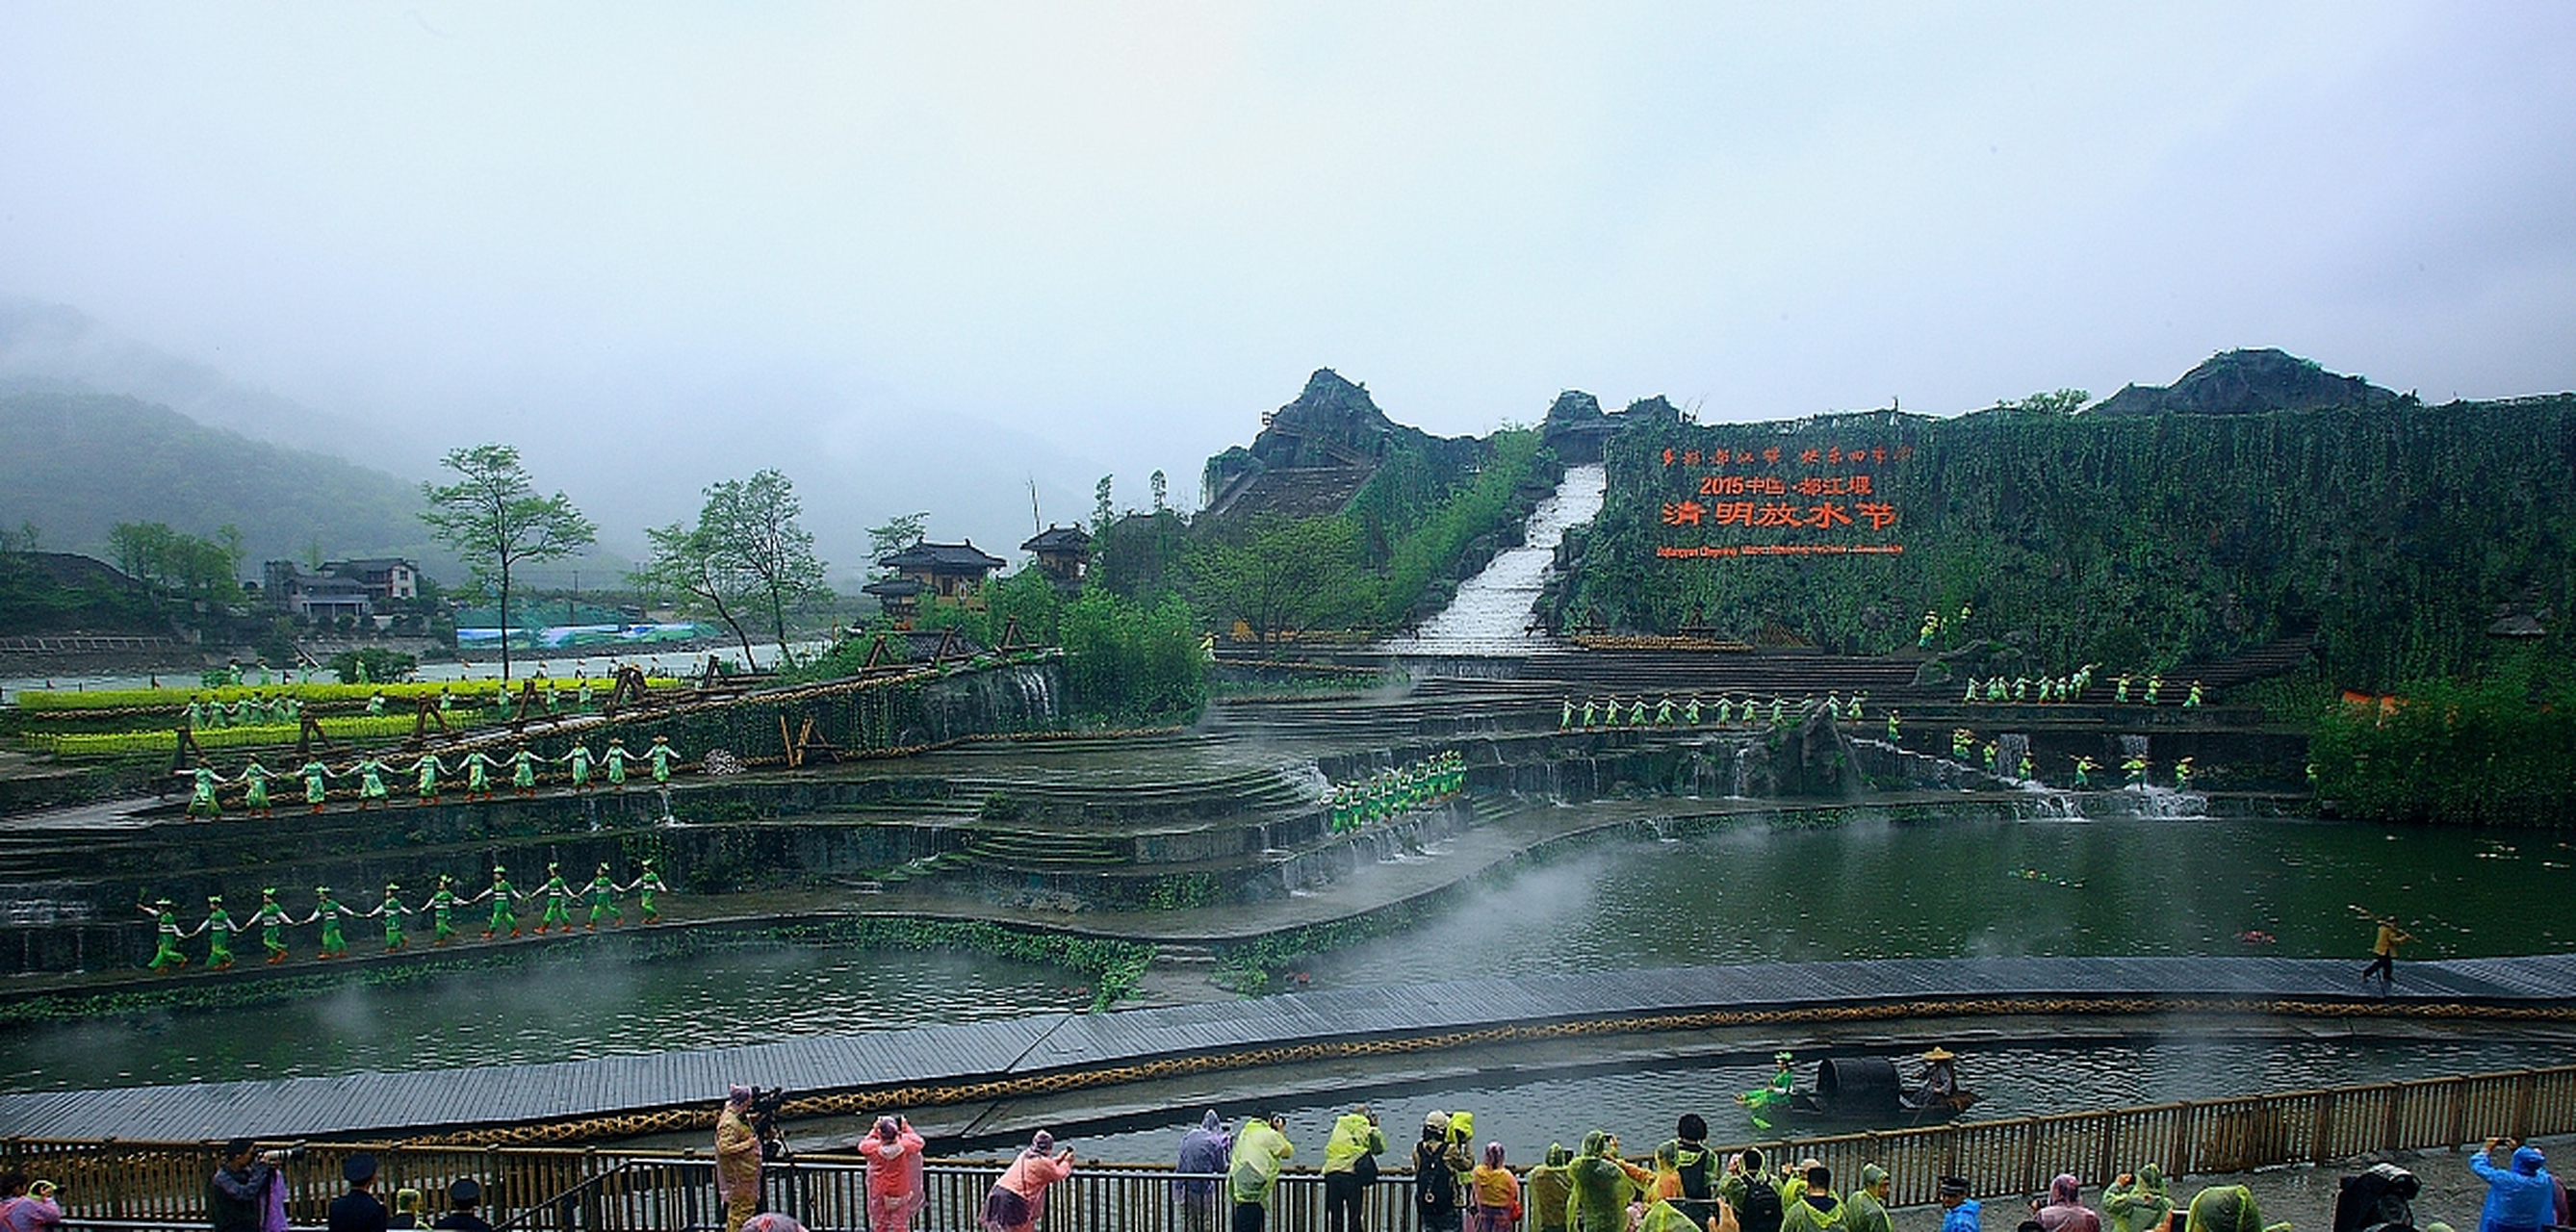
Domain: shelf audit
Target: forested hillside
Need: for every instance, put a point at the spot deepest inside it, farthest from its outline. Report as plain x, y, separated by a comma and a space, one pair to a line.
2395, 531
77, 464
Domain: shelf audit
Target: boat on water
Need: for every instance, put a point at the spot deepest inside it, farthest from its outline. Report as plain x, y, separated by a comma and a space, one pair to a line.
1870, 1091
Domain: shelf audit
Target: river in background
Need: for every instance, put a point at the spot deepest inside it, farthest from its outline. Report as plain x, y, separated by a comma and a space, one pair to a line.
1747, 894
601, 666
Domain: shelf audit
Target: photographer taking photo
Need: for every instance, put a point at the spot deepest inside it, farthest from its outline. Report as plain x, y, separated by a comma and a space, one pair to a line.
247, 1190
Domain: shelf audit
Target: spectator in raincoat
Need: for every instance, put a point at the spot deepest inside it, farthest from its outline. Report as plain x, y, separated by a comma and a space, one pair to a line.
737, 1158
1018, 1200
1437, 1167
1663, 1216
893, 1153
1959, 1212
1866, 1209
1750, 1193
1203, 1152
1252, 1175
2065, 1210
2228, 1208
1497, 1193
1693, 1167
1355, 1137
2137, 1202
2520, 1198
1598, 1188
1814, 1208
1549, 1186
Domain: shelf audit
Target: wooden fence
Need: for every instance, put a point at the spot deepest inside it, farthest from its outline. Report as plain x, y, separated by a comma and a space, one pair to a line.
154, 1185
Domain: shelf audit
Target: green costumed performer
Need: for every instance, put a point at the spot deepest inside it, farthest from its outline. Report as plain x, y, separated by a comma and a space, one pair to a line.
523, 772
504, 899
616, 757
2182, 775
428, 769
602, 891
328, 910
392, 911
272, 920
1566, 718
2155, 685
219, 931
1690, 711
1961, 740
1971, 694
583, 695
2029, 769
441, 907
2120, 689
1664, 712
166, 935
660, 754
1591, 713
2192, 698
254, 779
478, 775
2136, 767
1776, 707
201, 796
558, 901
2084, 767
316, 783
1725, 709
1931, 625
1991, 752
648, 885
196, 712
376, 705
1637, 712
1760, 1101
579, 759
371, 780
1892, 737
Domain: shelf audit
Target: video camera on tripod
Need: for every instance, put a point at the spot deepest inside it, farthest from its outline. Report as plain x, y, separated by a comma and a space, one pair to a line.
765, 1103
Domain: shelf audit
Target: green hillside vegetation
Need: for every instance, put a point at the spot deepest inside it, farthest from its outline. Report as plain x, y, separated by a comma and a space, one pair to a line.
78, 464
2393, 531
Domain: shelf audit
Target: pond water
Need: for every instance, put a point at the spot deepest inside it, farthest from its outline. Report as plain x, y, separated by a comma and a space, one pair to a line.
601, 1001
1968, 888
1736, 895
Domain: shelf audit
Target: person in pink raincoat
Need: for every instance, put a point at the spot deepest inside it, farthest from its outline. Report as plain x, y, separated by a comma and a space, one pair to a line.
1018, 1200
894, 1174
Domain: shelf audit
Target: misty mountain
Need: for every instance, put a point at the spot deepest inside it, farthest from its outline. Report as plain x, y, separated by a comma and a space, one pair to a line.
76, 464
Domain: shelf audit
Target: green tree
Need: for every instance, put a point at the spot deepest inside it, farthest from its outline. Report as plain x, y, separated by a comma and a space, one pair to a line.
1101, 511
752, 523
493, 519
687, 561
1287, 578
178, 561
899, 532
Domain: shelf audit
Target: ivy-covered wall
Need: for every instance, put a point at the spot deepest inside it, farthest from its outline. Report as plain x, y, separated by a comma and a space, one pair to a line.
2138, 542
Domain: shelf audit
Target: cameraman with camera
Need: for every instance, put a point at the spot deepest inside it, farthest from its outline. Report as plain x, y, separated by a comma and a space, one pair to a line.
247, 1187
737, 1159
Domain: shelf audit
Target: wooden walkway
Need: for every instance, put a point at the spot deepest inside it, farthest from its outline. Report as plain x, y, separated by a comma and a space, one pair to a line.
418, 1102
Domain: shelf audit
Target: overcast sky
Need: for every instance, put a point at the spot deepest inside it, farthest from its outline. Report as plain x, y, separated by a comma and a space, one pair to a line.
915, 255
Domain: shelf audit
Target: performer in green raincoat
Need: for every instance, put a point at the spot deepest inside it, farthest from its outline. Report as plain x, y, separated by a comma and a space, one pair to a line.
254, 779
441, 907
647, 886
328, 910
558, 896
219, 931
602, 892
201, 797
428, 768
504, 900
166, 935
272, 920
316, 783
392, 911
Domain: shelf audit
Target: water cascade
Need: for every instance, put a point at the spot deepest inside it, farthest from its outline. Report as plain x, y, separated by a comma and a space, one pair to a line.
1491, 613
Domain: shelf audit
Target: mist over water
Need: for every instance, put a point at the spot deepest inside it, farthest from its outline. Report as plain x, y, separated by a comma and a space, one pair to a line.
598, 1001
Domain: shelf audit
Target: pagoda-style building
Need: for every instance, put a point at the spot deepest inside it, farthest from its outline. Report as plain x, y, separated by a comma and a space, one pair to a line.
949, 573
1063, 552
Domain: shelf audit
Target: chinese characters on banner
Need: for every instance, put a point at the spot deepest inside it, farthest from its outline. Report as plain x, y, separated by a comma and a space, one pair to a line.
1780, 501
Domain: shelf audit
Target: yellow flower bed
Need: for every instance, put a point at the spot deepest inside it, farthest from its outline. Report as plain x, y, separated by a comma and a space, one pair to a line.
479, 691
120, 744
